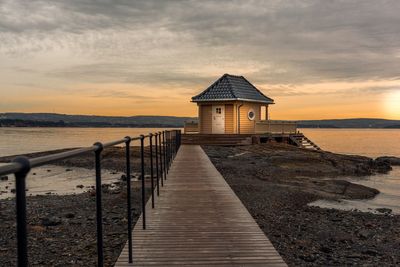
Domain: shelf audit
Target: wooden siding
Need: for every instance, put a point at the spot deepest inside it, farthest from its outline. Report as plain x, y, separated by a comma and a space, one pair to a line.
205, 119
229, 125
248, 126
231, 117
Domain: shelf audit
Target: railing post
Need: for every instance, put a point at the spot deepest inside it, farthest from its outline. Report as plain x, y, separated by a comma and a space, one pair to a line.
169, 149
180, 138
161, 158
128, 195
143, 182
176, 142
99, 216
157, 174
168, 152
20, 198
165, 155
151, 170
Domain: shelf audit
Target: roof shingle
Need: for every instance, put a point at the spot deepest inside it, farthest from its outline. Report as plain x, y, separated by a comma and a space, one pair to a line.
231, 87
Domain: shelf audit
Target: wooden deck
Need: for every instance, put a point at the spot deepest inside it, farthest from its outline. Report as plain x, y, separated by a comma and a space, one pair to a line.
198, 220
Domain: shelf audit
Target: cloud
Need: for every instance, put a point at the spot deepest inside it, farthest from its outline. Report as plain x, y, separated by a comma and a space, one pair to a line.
190, 43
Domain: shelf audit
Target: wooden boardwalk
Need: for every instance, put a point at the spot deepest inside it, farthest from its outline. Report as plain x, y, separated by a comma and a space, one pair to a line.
198, 220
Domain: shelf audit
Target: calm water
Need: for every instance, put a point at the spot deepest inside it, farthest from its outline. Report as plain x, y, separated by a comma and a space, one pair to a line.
367, 142
15, 141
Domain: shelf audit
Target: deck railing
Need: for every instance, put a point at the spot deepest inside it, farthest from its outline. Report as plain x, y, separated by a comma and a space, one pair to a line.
166, 145
191, 127
272, 126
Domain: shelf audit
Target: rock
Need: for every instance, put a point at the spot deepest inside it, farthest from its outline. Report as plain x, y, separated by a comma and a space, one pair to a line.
115, 192
69, 215
325, 249
364, 234
37, 228
371, 252
4, 178
394, 161
307, 258
68, 170
34, 173
48, 170
80, 186
384, 210
51, 221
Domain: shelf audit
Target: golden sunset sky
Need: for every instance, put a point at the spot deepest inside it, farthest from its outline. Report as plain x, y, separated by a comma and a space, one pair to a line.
316, 59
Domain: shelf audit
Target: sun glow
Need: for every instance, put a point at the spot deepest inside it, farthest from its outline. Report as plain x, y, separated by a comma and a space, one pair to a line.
392, 104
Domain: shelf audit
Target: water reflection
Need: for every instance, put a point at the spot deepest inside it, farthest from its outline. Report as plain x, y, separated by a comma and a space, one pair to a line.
388, 198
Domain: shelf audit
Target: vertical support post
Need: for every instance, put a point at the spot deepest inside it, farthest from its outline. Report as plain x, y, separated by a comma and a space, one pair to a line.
20, 198
157, 169
161, 159
165, 155
151, 170
168, 150
128, 195
143, 182
176, 143
99, 215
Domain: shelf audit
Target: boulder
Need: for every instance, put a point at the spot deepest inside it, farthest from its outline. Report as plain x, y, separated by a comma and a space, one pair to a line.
394, 161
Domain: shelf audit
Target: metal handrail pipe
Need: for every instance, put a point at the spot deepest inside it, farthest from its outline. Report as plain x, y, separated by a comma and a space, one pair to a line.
116, 142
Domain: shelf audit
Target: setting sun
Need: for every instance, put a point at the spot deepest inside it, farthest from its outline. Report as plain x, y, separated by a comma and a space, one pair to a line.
392, 104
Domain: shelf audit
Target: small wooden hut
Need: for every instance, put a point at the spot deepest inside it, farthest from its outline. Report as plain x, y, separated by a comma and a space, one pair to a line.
231, 105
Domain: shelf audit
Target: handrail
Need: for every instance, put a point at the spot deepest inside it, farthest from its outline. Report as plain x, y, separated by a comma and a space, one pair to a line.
167, 144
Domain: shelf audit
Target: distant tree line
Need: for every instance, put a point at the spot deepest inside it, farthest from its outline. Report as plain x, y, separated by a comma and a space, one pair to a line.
32, 123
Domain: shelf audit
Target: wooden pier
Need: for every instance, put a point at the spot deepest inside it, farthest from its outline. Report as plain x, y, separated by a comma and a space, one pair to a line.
198, 221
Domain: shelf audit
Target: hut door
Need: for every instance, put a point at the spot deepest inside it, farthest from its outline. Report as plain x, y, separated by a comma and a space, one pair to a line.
218, 119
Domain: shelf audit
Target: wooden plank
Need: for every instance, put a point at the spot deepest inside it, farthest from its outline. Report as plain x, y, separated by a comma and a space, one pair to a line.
198, 221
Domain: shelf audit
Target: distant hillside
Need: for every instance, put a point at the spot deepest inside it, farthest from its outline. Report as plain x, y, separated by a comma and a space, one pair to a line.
350, 123
63, 120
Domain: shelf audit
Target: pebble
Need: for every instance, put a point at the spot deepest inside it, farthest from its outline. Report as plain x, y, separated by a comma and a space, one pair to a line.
69, 215
384, 210
51, 221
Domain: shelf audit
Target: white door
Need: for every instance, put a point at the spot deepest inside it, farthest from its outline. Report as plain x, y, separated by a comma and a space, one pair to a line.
218, 119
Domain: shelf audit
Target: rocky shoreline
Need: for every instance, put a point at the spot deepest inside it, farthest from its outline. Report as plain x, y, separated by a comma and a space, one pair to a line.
276, 182
62, 228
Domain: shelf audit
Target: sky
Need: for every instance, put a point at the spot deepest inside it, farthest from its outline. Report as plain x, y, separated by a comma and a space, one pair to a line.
317, 59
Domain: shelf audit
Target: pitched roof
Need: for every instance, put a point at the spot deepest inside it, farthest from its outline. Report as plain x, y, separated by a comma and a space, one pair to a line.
231, 87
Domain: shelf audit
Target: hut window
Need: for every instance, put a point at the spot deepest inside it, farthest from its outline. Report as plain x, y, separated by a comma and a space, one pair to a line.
218, 111
251, 115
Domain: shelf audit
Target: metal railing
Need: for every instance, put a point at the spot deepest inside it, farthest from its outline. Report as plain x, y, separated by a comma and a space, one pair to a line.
166, 145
